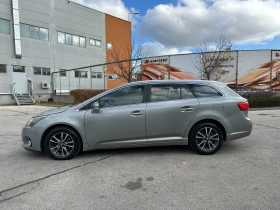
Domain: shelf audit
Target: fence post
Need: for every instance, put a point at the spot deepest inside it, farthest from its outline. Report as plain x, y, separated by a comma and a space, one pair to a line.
270, 71
236, 74
169, 67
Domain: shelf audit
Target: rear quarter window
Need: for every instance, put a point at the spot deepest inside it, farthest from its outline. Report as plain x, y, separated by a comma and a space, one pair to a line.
206, 91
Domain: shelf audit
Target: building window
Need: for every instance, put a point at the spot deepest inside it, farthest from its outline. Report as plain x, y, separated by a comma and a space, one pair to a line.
3, 68
109, 46
95, 42
19, 69
81, 74
37, 70
113, 76
62, 72
42, 71
96, 75
69, 39
4, 26
34, 32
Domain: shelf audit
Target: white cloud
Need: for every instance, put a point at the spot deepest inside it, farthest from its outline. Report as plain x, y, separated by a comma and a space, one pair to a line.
156, 49
193, 21
111, 7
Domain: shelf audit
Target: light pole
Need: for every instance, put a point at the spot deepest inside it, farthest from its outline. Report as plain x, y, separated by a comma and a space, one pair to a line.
132, 13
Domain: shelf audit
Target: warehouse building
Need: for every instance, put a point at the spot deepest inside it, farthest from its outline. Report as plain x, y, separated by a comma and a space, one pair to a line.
44, 36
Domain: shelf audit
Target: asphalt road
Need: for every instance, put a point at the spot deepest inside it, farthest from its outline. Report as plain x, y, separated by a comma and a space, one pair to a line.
244, 174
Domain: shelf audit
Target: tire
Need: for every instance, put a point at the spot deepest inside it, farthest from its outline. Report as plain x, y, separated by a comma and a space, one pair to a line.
206, 138
62, 143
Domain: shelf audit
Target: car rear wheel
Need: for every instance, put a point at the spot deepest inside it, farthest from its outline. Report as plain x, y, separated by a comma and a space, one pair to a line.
206, 138
62, 143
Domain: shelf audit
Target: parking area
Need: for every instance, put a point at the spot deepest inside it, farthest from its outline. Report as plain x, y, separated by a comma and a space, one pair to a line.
244, 174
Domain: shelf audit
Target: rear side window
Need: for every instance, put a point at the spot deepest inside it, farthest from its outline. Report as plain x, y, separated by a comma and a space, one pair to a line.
168, 92
205, 91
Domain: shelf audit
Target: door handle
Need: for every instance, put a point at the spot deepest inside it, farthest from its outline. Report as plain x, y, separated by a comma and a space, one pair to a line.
187, 109
137, 113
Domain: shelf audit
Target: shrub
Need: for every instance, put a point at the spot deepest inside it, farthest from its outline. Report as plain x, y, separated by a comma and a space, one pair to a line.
81, 95
262, 99
264, 102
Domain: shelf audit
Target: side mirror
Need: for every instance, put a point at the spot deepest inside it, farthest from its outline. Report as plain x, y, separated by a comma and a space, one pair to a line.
95, 107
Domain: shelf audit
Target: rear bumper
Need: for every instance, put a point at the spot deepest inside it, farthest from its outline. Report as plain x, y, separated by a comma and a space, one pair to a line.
240, 126
31, 139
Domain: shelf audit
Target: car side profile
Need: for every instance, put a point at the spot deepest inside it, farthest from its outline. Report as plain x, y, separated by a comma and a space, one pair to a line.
202, 114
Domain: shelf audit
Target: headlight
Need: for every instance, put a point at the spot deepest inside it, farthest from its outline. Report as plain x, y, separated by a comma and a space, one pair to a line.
34, 120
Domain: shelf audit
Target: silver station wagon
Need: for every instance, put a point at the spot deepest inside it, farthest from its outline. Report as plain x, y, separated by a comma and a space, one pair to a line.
202, 114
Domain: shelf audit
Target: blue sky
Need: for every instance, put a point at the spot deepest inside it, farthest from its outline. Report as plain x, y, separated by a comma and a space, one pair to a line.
178, 26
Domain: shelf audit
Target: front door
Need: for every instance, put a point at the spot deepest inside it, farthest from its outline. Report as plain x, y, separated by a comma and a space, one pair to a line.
169, 112
120, 120
19, 80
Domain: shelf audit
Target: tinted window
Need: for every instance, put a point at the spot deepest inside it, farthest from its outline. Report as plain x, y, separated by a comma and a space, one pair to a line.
34, 32
60, 37
37, 70
68, 39
124, 96
46, 71
82, 41
76, 40
186, 93
19, 68
2, 68
63, 73
44, 34
165, 92
24, 30
4, 26
205, 91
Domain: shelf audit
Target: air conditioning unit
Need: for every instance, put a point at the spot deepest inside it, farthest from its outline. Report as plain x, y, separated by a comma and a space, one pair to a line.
46, 85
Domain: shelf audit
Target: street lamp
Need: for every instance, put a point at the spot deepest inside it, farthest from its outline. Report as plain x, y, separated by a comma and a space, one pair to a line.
132, 13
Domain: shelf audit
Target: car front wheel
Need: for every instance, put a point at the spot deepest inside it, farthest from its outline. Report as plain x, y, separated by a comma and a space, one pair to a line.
62, 143
206, 138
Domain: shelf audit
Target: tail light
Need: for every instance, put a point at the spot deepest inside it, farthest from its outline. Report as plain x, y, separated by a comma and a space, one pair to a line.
243, 106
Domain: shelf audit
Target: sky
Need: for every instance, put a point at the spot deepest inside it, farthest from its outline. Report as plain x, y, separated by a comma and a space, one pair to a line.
178, 26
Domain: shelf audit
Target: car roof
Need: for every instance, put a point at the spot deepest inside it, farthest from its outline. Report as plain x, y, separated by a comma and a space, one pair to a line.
177, 82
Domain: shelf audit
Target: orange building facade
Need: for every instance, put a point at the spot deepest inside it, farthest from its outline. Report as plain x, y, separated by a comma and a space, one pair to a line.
118, 41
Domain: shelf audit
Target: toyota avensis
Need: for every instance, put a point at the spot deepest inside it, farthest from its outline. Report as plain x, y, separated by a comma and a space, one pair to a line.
202, 114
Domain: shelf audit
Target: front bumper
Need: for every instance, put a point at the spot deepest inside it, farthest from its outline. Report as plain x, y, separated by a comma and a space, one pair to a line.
31, 139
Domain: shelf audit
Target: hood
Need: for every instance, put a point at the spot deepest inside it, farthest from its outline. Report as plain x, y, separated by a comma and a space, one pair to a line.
53, 111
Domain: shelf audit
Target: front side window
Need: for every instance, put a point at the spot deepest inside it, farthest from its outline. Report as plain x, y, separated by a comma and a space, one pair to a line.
125, 96
205, 91
4, 26
2, 68
34, 32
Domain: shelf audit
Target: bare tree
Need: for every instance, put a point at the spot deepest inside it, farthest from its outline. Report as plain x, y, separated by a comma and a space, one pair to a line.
127, 62
211, 57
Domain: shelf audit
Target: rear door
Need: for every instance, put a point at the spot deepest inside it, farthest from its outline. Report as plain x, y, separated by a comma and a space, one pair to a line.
170, 109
